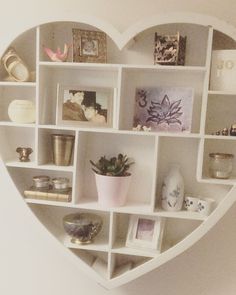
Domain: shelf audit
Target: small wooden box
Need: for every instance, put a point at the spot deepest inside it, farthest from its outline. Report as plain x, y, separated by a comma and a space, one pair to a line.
169, 49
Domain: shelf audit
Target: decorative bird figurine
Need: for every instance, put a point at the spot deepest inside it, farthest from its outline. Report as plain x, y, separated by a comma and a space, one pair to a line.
57, 55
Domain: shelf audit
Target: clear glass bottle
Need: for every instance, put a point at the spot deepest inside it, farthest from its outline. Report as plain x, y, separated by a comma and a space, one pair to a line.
221, 165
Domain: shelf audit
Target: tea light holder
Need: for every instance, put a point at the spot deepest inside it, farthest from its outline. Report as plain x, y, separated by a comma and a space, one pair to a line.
221, 165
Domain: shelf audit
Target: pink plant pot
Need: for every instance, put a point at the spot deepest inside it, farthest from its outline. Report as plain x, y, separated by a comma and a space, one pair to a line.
112, 190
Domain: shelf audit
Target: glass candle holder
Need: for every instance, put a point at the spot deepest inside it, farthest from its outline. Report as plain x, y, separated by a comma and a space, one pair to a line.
41, 182
221, 165
60, 183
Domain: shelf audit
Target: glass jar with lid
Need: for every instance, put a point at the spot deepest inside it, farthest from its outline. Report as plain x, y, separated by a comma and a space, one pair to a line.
60, 184
41, 182
221, 165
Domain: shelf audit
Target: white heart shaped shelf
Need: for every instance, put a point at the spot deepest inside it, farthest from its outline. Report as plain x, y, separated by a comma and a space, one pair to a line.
109, 259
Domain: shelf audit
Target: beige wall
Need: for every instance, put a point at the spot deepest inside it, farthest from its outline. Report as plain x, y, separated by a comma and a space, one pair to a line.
31, 263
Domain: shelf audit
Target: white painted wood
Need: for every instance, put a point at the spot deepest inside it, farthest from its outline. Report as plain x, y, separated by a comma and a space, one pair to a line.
17, 84
223, 93
155, 174
153, 152
206, 80
99, 245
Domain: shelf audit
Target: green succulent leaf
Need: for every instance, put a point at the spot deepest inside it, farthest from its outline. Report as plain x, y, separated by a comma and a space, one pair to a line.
115, 166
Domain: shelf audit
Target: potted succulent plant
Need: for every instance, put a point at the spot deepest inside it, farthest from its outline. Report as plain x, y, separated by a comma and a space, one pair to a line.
112, 180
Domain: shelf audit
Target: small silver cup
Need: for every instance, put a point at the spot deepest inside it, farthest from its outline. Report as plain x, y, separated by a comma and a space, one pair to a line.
62, 146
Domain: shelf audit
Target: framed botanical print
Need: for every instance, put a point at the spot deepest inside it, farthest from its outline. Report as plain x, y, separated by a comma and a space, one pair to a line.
163, 109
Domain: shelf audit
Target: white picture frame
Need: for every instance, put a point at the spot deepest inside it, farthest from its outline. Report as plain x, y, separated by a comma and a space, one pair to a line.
145, 232
84, 106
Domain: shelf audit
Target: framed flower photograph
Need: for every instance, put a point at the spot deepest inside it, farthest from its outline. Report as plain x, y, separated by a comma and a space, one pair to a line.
145, 232
89, 46
84, 106
163, 109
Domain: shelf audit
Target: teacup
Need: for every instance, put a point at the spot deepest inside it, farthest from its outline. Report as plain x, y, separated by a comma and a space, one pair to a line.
191, 203
205, 206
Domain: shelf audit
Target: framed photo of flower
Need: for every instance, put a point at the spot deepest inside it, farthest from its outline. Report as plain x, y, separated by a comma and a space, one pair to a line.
145, 232
163, 109
89, 46
85, 106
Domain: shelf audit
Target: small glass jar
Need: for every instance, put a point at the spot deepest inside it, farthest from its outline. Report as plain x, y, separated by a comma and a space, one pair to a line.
41, 182
221, 165
60, 184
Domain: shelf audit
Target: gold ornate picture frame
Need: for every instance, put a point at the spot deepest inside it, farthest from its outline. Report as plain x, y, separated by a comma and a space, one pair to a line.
89, 46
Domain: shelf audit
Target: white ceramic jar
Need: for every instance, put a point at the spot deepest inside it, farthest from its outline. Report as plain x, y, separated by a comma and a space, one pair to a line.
173, 190
21, 111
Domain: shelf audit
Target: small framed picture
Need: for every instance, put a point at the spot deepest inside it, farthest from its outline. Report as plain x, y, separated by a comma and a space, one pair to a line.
145, 232
163, 109
89, 46
85, 106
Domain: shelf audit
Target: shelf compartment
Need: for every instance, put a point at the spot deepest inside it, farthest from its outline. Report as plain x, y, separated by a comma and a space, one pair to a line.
222, 41
96, 261
141, 48
205, 188
177, 230
218, 146
182, 151
8, 94
101, 241
92, 146
25, 47
122, 263
45, 149
50, 77
52, 218
217, 107
14, 137
55, 34
132, 79
119, 233
23, 179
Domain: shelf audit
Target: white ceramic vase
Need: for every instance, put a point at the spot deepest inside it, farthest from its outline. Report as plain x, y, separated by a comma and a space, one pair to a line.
112, 190
173, 190
21, 111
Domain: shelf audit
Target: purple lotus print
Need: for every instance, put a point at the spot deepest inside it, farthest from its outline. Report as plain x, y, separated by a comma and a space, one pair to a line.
164, 108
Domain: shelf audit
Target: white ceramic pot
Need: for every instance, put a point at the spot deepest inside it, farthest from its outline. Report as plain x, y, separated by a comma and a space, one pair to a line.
112, 190
173, 190
21, 111
223, 70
